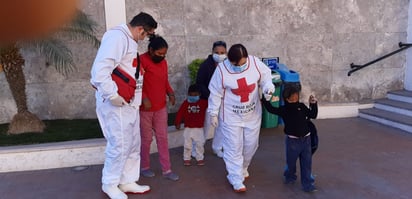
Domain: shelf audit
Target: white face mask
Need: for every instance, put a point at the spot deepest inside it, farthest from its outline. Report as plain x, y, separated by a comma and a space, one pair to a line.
219, 58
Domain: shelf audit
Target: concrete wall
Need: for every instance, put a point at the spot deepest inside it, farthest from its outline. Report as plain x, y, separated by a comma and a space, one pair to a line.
317, 38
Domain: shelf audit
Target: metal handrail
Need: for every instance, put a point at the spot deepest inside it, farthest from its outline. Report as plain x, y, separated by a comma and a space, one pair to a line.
402, 46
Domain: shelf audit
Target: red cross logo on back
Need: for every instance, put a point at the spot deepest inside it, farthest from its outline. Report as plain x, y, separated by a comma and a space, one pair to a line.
243, 89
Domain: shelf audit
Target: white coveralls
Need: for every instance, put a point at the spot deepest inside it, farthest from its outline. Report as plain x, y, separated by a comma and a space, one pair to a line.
120, 125
234, 97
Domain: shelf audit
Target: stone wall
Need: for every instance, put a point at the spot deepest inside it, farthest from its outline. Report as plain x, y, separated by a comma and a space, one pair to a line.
317, 38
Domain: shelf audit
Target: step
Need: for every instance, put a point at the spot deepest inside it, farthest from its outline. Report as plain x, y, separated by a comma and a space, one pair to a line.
400, 95
66, 154
388, 118
400, 107
91, 151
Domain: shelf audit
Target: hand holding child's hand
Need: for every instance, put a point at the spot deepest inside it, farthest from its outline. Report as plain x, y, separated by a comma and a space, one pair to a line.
312, 99
274, 99
267, 97
268, 94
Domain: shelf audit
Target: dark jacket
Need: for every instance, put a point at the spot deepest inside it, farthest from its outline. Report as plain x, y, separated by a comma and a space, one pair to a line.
204, 74
294, 116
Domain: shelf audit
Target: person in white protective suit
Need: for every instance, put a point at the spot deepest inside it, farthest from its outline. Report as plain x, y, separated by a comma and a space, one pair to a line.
234, 105
117, 78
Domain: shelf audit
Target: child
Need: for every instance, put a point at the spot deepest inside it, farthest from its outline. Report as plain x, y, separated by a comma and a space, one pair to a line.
192, 112
298, 141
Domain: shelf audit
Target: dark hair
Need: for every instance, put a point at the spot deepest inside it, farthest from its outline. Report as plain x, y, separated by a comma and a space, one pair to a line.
237, 52
289, 90
218, 43
157, 42
145, 20
193, 88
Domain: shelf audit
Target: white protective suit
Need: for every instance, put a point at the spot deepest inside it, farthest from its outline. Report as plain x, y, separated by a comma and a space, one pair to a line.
234, 98
120, 124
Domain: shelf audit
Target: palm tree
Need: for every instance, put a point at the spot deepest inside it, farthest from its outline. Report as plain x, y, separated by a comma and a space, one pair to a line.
56, 54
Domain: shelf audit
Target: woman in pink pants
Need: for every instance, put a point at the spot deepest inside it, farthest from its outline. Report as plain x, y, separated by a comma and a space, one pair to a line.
153, 111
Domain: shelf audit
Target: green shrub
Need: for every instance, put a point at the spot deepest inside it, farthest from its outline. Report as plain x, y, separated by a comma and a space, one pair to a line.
59, 131
193, 68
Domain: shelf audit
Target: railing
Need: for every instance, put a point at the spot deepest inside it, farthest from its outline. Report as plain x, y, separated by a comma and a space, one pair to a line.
402, 46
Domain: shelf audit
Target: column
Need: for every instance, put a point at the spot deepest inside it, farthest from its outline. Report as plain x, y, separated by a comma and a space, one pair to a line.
115, 12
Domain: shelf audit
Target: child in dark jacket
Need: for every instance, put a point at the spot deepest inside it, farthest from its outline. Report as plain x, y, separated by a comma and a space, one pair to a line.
298, 141
192, 112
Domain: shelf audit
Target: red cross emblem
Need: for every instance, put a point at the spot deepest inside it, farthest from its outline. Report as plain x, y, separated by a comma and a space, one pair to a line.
243, 89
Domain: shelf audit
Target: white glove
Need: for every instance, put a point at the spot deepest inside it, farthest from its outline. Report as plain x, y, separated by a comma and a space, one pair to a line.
267, 97
270, 91
268, 94
213, 121
117, 100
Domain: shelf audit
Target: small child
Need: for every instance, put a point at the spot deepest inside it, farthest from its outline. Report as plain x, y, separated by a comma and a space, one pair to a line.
298, 139
192, 112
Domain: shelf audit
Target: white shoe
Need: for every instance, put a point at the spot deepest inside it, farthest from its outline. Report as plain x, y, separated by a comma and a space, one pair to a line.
219, 153
134, 188
113, 192
239, 187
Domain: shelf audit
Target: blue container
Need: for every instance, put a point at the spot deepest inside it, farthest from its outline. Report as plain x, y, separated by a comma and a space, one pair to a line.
288, 77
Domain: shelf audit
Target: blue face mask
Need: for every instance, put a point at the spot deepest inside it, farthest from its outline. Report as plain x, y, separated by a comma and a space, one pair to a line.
193, 99
239, 69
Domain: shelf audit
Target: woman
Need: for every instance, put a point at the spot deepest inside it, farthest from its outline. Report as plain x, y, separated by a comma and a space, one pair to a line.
153, 111
206, 70
234, 103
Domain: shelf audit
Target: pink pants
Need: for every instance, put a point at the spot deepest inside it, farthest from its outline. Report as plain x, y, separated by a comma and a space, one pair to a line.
154, 123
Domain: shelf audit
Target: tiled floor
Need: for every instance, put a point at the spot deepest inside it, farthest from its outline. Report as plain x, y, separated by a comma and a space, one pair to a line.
356, 159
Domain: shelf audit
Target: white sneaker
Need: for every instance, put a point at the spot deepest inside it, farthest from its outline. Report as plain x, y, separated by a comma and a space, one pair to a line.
239, 187
219, 153
113, 192
134, 188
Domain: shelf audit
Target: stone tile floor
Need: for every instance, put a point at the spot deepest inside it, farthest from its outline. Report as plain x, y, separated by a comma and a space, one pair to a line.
356, 159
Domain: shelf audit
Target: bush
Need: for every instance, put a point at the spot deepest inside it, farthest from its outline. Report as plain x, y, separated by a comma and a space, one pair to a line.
193, 68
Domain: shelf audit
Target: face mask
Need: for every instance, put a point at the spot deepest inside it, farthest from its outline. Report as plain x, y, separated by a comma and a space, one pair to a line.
157, 59
218, 58
239, 69
193, 99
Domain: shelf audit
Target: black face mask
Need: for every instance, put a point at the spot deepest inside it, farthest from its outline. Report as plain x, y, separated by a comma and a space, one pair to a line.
157, 59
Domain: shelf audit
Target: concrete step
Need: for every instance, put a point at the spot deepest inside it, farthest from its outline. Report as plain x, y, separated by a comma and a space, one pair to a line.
395, 106
400, 95
388, 118
66, 154
91, 151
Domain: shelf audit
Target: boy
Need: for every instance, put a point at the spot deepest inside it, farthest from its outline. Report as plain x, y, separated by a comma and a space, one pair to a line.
298, 141
192, 112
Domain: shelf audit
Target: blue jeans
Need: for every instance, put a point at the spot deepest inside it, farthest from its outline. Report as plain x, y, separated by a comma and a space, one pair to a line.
299, 148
